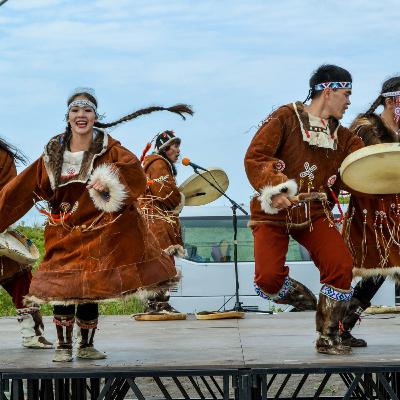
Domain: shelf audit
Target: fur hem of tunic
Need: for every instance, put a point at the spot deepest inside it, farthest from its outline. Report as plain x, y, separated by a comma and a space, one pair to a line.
175, 250
392, 272
116, 191
177, 210
141, 294
267, 192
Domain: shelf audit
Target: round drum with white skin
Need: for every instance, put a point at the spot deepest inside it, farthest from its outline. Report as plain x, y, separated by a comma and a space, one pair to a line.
18, 247
373, 169
197, 189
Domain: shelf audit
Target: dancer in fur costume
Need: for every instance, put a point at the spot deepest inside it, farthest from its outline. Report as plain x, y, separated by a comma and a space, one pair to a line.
162, 204
299, 148
376, 252
97, 245
14, 277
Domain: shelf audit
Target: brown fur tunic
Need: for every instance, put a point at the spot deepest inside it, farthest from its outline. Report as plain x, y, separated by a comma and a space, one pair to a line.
279, 159
94, 255
9, 269
373, 250
162, 212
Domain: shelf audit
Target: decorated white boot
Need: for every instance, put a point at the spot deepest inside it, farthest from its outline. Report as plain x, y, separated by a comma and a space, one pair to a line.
65, 327
31, 327
86, 333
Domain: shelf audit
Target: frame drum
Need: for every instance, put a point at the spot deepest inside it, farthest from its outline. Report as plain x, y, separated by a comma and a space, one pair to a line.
373, 169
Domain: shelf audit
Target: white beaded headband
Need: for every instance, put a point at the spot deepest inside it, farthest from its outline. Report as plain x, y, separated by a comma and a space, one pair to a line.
391, 94
82, 103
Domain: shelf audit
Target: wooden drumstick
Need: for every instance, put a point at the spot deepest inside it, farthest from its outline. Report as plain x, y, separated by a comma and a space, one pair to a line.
312, 196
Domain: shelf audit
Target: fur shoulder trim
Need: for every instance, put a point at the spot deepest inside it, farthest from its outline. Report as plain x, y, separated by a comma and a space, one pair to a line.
113, 198
267, 192
372, 129
363, 121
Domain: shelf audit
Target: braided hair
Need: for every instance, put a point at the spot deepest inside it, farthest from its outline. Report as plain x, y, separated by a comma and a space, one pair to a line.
390, 85
180, 109
17, 155
163, 153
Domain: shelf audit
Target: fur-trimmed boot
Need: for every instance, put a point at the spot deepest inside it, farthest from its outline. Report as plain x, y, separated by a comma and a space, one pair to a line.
331, 308
65, 328
160, 303
86, 331
31, 327
353, 313
293, 293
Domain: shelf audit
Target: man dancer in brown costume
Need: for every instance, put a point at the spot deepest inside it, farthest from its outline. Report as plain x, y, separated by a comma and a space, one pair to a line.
299, 148
375, 253
162, 205
16, 278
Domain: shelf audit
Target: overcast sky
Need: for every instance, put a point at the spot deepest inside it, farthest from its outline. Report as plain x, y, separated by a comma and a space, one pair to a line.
233, 61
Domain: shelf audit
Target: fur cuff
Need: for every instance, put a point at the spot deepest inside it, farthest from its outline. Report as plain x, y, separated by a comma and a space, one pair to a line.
113, 198
267, 192
177, 210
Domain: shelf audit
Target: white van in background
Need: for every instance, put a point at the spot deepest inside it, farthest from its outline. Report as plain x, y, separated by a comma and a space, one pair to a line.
208, 272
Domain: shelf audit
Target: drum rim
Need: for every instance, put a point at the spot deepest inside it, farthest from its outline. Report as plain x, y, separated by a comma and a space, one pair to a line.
222, 179
14, 254
194, 176
366, 151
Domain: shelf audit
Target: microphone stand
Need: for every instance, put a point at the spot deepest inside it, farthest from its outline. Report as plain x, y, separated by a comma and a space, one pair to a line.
234, 206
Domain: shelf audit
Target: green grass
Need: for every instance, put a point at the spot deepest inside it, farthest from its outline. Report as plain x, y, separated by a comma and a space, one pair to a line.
35, 233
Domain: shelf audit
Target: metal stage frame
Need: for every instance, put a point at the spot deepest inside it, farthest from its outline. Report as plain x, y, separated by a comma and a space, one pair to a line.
257, 358
237, 384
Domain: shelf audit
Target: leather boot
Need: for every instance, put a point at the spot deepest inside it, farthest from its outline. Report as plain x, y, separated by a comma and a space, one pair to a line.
298, 296
31, 327
329, 316
86, 331
353, 313
292, 292
64, 327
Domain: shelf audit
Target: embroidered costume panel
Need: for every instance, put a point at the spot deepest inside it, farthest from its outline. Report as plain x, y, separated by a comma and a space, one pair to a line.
311, 154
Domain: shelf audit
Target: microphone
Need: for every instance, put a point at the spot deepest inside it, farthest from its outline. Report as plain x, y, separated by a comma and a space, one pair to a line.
186, 162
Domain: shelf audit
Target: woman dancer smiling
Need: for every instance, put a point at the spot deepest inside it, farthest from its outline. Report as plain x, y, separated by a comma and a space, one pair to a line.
97, 245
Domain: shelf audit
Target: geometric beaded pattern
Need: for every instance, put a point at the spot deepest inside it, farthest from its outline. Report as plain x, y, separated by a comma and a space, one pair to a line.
280, 295
333, 85
335, 294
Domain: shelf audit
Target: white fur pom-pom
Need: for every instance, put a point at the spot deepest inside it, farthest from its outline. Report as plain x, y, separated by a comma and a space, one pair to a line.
267, 192
112, 199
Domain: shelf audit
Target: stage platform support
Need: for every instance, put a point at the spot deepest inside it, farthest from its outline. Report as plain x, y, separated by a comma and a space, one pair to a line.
259, 357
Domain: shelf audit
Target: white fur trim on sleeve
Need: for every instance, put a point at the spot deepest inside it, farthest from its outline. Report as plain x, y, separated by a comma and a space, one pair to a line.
267, 192
177, 210
113, 198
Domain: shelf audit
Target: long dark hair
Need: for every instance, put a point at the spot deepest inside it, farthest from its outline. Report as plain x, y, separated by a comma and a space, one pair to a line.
163, 153
390, 85
180, 109
17, 155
